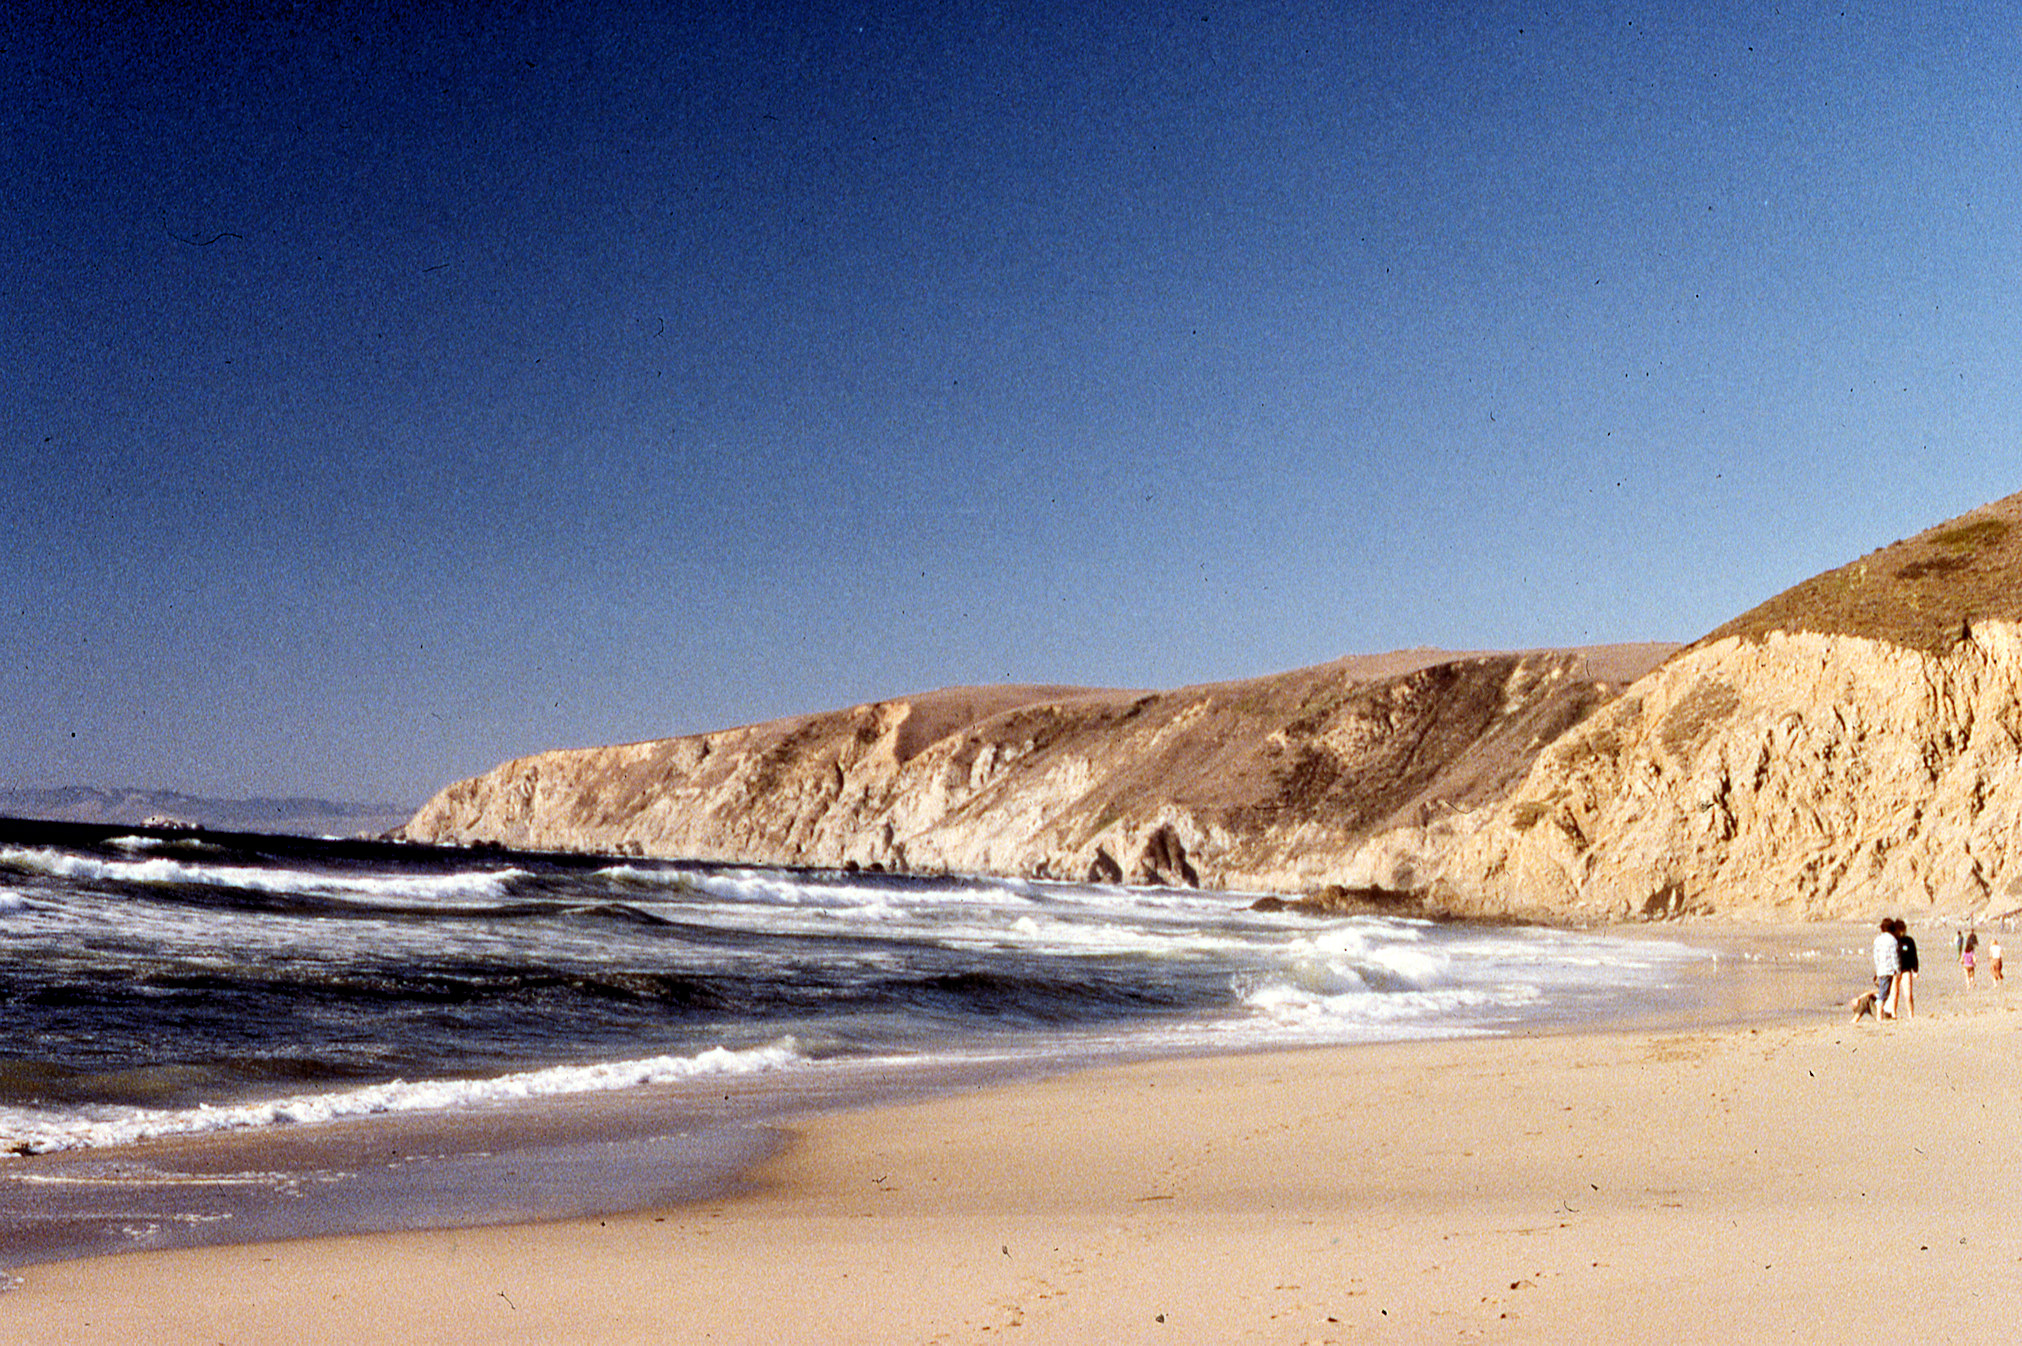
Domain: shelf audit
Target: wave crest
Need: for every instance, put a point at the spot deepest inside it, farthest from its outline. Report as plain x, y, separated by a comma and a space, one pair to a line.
164, 872
22, 1132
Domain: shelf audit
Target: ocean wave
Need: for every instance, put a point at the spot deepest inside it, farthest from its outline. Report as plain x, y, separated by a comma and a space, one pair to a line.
1288, 1007
385, 963
483, 885
194, 845
1367, 957
25, 1131
641, 876
622, 912
754, 886
1092, 938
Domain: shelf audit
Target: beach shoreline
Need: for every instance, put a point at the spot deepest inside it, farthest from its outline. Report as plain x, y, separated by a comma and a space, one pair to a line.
605, 1153
1633, 1182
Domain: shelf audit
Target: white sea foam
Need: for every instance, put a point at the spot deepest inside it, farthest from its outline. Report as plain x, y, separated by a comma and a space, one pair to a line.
477, 884
1281, 1010
191, 845
799, 890
1374, 978
35, 1132
974, 917
644, 877
1084, 937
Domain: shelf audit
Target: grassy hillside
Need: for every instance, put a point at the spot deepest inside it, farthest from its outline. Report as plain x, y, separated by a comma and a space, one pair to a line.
1919, 593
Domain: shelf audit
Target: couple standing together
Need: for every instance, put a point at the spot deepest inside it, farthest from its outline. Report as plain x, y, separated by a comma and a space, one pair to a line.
1895, 971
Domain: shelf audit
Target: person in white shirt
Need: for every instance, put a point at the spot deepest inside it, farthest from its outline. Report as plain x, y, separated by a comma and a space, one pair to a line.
1886, 967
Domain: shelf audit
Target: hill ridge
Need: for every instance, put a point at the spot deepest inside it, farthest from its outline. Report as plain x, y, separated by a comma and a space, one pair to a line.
1920, 593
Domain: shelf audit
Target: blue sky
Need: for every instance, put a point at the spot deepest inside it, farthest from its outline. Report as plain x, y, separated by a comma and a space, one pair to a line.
389, 395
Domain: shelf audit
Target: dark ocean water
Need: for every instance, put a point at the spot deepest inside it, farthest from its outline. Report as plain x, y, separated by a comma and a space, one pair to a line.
162, 984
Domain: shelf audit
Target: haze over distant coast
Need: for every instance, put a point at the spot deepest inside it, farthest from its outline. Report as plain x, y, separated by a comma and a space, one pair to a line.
292, 816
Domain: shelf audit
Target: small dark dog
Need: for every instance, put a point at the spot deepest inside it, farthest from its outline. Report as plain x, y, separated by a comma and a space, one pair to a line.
1863, 1007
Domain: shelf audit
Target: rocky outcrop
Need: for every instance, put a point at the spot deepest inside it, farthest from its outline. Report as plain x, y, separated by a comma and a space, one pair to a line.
1797, 776
1272, 784
1334, 900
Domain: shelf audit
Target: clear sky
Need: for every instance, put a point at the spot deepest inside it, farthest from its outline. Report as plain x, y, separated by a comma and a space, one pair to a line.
387, 396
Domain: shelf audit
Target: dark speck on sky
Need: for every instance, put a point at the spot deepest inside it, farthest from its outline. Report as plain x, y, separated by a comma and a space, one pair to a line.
392, 390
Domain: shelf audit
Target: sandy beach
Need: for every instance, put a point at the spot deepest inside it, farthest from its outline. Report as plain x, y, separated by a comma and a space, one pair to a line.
1808, 1179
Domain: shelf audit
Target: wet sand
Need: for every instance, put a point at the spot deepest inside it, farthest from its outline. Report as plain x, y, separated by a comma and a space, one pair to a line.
1805, 1176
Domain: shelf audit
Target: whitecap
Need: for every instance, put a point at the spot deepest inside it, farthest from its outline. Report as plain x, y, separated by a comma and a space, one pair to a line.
27, 1132
161, 871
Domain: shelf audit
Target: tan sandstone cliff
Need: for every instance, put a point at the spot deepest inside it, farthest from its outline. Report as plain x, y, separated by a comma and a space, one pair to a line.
1852, 746
1270, 784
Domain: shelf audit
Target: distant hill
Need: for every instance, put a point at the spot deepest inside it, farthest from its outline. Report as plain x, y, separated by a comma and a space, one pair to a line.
286, 817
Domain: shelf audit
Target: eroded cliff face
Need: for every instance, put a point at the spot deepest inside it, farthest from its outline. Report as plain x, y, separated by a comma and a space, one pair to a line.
1850, 746
1271, 784
1794, 776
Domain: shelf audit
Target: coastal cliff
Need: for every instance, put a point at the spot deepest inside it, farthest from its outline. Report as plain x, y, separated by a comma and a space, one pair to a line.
1269, 784
1852, 746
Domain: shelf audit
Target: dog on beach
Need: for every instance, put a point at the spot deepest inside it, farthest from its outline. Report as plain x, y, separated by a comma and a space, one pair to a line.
1863, 1007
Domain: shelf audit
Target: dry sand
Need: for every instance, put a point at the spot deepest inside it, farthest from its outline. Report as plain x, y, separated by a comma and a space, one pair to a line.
1814, 1180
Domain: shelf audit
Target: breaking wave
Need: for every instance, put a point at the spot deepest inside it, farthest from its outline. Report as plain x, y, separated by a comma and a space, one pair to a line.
27, 1133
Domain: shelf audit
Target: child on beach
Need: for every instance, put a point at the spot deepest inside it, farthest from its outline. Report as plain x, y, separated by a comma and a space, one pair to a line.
1966, 954
1994, 960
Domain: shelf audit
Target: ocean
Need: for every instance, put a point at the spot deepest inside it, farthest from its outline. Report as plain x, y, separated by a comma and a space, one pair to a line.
166, 987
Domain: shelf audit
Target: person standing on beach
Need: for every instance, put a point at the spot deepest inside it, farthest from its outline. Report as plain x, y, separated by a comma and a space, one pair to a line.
1905, 993
1887, 964
1968, 953
1994, 960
